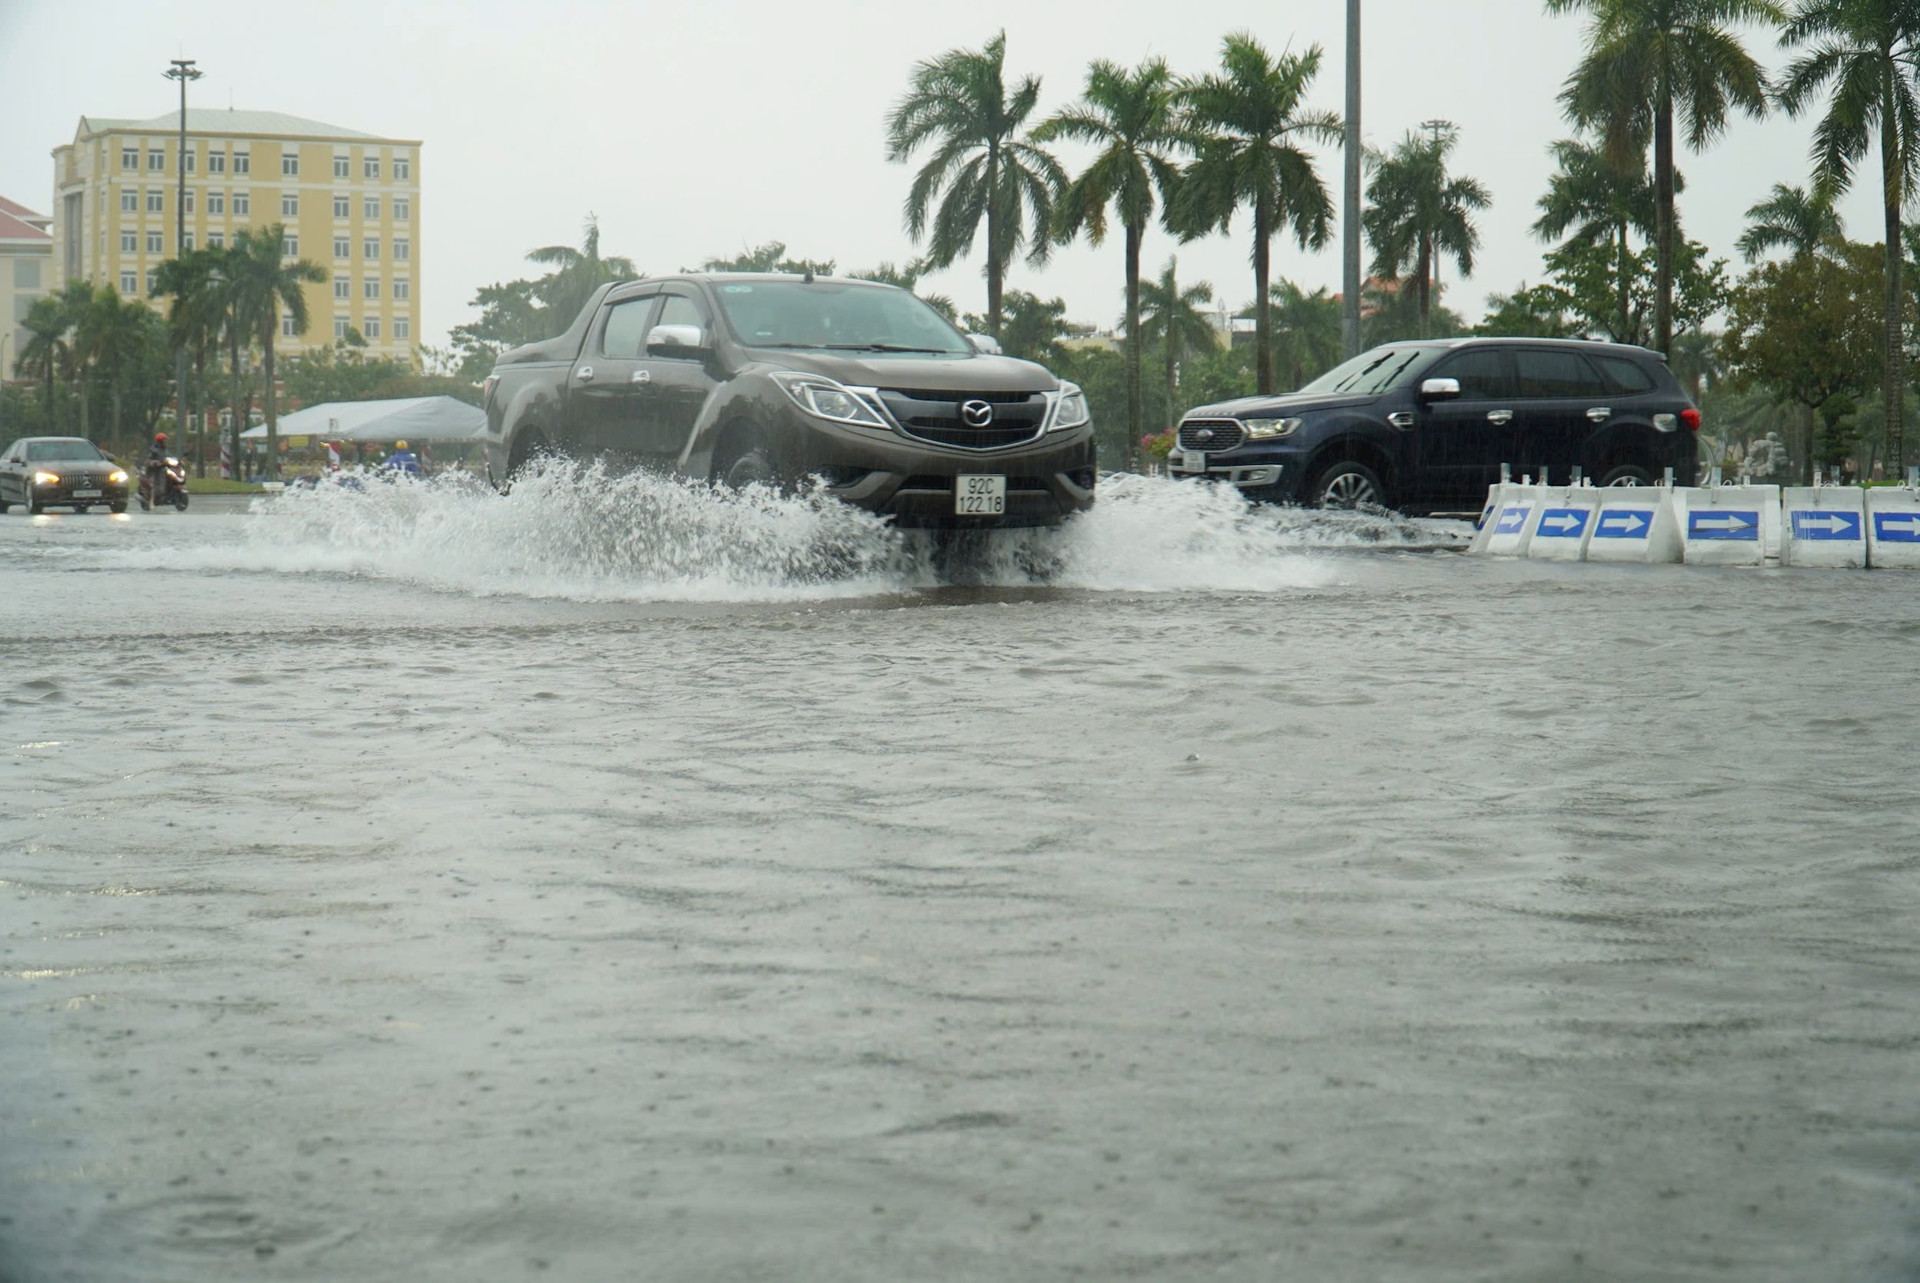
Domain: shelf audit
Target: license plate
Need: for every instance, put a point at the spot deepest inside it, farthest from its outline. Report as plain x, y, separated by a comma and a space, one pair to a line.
979, 496
1193, 461
86, 494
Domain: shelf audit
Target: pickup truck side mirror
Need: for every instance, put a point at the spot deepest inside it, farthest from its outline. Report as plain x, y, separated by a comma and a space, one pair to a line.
1440, 390
985, 344
676, 338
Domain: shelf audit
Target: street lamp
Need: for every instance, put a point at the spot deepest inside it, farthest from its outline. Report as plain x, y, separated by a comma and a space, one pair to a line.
5, 337
182, 70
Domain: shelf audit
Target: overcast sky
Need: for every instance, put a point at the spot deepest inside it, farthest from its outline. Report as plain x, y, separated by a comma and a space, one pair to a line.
700, 128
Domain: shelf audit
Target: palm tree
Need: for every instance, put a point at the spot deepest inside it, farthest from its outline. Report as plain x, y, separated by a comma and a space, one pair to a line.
1790, 218
1250, 124
1867, 51
264, 284
980, 169
1171, 317
197, 315
1133, 117
75, 301
580, 272
46, 351
1308, 341
110, 332
1417, 212
1590, 201
1648, 61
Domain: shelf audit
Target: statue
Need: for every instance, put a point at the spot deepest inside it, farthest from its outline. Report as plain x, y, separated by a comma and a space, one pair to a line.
1767, 458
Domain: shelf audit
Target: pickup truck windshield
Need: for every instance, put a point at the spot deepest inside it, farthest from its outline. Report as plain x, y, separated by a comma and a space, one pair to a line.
836, 316
1374, 372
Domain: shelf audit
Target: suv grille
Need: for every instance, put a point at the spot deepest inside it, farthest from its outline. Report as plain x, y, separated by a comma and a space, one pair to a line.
1211, 435
934, 416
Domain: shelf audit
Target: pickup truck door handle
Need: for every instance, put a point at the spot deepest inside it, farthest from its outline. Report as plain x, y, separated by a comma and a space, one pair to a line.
1501, 417
584, 373
1600, 413
641, 376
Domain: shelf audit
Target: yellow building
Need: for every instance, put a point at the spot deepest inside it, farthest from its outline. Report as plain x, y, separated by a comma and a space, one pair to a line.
350, 202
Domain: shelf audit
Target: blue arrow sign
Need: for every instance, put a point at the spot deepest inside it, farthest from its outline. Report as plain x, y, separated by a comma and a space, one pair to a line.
1724, 523
1896, 527
1512, 520
1624, 523
1816, 525
1563, 523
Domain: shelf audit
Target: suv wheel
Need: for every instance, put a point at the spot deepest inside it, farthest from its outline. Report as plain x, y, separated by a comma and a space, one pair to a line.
1348, 485
1627, 474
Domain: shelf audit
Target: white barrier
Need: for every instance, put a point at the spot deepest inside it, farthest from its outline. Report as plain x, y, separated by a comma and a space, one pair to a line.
1635, 524
1513, 514
1564, 522
1823, 526
1727, 525
1893, 526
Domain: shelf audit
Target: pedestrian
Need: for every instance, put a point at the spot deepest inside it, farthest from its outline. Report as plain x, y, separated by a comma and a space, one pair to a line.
403, 460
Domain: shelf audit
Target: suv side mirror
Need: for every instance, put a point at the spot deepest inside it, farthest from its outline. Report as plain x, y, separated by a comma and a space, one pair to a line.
1440, 390
676, 338
985, 344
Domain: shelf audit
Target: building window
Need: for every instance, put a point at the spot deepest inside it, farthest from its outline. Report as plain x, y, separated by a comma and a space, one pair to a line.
242, 162
289, 164
372, 327
340, 167
156, 200
290, 245
371, 249
339, 322
153, 279
186, 242
216, 162
189, 156
187, 196
372, 167
370, 209
402, 172
286, 325
371, 287
402, 328
289, 204
342, 247
341, 208
242, 205
129, 242
216, 240
402, 251
402, 288
402, 208
340, 287
216, 202
129, 200
157, 161
129, 158
129, 282
154, 244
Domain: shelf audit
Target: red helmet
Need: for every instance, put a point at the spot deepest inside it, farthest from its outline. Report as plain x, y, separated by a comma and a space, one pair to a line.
160, 438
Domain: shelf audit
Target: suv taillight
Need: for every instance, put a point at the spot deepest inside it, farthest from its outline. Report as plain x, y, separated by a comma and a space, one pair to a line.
1690, 417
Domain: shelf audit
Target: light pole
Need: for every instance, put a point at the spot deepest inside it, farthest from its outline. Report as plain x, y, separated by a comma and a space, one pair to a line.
182, 70
5, 338
1350, 309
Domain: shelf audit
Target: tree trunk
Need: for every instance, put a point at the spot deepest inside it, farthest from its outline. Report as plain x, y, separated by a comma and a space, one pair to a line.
1262, 322
1663, 228
1425, 265
1893, 376
1173, 369
273, 418
200, 414
996, 266
235, 414
1134, 418
1624, 332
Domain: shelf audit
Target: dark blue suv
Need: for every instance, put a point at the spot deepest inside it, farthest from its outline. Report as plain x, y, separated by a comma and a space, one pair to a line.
1424, 427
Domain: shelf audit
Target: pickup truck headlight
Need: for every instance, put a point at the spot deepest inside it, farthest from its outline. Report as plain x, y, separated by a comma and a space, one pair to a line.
1271, 429
1069, 409
825, 399
46, 478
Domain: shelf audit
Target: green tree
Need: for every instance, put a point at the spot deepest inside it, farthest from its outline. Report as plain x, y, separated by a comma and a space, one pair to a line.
577, 274
1652, 65
1591, 277
1133, 119
1390, 313
264, 286
1789, 218
980, 169
1171, 319
908, 278
1591, 200
1032, 328
49, 325
1306, 339
1417, 212
1251, 124
342, 372
1531, 311
770, 257
112, 334
196, 320
1859, 58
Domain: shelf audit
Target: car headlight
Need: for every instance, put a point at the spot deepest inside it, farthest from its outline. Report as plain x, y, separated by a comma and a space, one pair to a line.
46, 478
1070, 410
1271, 429
117, 477
825, 399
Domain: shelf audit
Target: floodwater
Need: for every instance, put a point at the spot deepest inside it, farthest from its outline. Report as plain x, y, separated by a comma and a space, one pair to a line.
617, 881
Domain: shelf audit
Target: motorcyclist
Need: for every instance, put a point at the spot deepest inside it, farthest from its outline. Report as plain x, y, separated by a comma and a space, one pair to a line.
156, 465
404, 460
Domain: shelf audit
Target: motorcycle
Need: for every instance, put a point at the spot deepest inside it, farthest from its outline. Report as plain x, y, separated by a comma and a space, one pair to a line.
173, 489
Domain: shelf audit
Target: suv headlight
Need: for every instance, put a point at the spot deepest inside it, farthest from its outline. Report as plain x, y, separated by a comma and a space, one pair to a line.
825, 399
46, 478
1271, 429
1069, 408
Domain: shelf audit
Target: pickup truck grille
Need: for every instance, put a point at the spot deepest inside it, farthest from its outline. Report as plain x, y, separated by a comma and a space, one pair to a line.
1211, 435
934, 416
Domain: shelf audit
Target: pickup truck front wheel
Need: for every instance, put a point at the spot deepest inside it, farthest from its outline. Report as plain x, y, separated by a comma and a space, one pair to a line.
753, 466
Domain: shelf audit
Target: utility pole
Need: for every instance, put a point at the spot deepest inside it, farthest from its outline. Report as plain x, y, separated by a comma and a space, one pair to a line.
1438, 131
182, 70
1350, 302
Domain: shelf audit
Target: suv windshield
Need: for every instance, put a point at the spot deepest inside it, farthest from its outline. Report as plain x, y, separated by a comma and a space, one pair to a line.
58, 451
1371, 373
835, 315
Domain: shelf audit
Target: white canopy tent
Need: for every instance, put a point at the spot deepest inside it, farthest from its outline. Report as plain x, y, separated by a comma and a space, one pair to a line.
419, 418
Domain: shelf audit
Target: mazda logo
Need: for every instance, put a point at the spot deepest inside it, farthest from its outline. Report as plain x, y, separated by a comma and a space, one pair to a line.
976, 414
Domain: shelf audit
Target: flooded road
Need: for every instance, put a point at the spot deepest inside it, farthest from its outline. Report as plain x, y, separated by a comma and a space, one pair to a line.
612, 881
